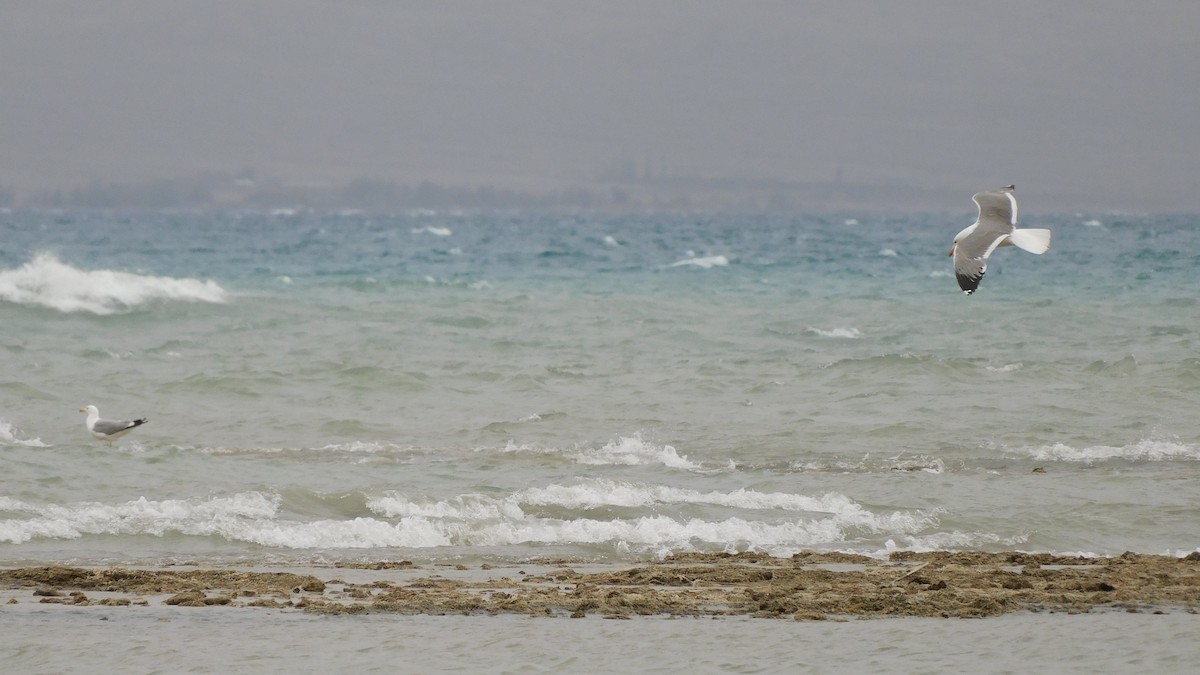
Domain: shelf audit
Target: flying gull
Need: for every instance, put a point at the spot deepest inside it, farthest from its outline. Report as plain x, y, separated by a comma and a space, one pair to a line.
995, 226
108, 430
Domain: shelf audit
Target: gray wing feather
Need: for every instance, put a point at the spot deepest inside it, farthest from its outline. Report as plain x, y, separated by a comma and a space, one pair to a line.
997, 219
110, 427
969, 271
997, 212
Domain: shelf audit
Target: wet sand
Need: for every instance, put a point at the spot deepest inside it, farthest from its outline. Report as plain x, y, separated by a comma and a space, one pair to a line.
809, 586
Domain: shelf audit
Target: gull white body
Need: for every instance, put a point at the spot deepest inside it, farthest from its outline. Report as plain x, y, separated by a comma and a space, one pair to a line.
108, 430
995, 226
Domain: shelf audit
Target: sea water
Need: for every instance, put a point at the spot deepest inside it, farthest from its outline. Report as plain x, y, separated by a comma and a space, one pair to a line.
474, 387
443, 386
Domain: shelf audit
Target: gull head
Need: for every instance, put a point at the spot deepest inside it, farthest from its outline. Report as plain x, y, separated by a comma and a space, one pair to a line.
959, 237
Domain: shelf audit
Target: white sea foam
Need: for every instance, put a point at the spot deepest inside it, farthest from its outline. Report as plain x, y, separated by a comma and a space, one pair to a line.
841, 332
9, 433
844, 511
436, 231
462, 507
476, 520
249, 517
610, 240
1093, 223
1006, 368
947, 541
214, 516
632, 450
47, 282
1150, 450
341, 534
656, 533
624, 451
352, 448
597, 493
704, 263
486, 516
901, 462
888, 253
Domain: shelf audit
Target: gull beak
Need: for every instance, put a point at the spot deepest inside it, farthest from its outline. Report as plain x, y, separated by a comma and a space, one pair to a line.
83, 410
951, 253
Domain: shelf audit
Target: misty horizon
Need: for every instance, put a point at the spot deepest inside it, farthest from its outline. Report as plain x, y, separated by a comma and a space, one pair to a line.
1085, 106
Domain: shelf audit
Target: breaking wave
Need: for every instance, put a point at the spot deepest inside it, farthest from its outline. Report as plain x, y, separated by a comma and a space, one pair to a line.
1148, 450
555, 515
8, 436
46, 281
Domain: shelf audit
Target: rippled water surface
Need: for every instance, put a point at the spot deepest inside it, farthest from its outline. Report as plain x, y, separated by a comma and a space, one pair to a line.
472, 386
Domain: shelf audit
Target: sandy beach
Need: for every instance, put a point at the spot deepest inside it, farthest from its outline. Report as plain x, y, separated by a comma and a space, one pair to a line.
806, 587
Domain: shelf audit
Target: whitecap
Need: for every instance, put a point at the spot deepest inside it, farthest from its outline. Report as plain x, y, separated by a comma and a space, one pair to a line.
847, 332
463, 507
888, 253
703, 263
1093, 223
47, 282
350, 448
506, 520
201, 517
8, 436
632, 451
602, 493
480, 520
609, 240
1150, 450
658, 533
358, 533
1006, 368
946, 541
369, 447
436, 231
249, 517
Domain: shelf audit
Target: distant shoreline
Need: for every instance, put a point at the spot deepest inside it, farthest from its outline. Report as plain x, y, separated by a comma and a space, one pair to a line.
808, 586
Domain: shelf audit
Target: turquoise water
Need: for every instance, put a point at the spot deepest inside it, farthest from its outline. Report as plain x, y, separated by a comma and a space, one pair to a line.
438, 385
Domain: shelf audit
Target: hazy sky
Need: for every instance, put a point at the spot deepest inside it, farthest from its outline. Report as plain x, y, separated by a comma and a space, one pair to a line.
1079, 102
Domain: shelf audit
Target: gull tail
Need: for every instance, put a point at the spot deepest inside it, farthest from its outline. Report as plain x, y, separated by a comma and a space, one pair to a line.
1032, 240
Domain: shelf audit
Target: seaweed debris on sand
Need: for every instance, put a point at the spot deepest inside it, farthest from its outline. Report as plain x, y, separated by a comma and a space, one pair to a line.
808, 586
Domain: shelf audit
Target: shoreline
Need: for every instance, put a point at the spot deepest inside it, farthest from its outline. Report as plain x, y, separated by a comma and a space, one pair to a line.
807, 586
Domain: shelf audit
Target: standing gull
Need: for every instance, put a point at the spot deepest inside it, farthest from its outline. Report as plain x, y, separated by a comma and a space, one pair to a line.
995, 226
108, 430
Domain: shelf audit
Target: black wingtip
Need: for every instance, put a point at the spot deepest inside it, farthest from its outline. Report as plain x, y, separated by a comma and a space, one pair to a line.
967, 283
138, 423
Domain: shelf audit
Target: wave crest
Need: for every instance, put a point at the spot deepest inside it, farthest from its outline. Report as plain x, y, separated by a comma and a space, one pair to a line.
848, 332
45, 281
1147, 450
8, 436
